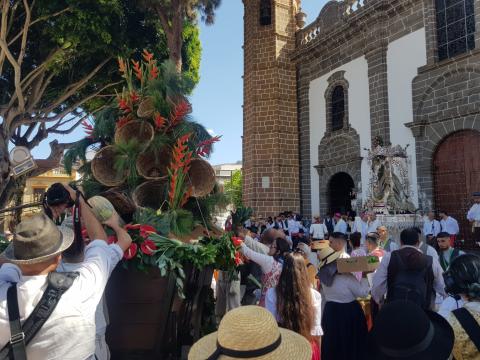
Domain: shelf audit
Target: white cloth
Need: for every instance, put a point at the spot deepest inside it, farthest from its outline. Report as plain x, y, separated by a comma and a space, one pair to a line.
361, 227
266, 262
345, 288
271, 305
430, 250
448, 305
474, 213
341, 226
101, 348
379, 286
373, 226
101, 314
69, 333
431, 227
293, 226
318, 231
450, 225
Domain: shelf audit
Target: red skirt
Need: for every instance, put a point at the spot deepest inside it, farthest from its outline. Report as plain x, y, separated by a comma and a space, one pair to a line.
315, 350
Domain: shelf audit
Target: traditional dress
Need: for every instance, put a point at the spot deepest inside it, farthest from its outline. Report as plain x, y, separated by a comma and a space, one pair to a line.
343, 321
464, 348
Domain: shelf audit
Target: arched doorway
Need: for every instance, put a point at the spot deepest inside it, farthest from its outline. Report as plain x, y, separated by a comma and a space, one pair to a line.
340, 188
456, 174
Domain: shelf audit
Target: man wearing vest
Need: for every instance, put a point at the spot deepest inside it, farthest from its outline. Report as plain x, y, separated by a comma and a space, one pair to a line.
407, 274
30, 279
446, 253
473, 216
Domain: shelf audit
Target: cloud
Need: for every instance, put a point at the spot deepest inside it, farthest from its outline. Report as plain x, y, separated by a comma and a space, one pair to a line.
211, 132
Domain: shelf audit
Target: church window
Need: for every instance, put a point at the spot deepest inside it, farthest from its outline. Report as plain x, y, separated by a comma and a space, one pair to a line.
455, 27
338, 107
265, 12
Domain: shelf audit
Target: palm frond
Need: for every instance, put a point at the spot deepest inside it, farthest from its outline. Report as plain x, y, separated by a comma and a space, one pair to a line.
76, 153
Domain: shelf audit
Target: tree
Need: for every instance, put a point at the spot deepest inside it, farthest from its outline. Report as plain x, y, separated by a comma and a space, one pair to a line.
58, 67
233, 189
174, 14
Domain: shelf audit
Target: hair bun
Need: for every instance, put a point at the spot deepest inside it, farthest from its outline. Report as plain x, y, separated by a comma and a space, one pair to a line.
474, 290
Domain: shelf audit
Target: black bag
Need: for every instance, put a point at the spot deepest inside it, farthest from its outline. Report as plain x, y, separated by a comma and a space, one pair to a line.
469, 324
22, 334
410, 284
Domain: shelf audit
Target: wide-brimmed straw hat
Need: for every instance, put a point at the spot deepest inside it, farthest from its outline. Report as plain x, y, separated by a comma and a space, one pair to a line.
37, 239
327, 256
251, 332
320, 244
405, 331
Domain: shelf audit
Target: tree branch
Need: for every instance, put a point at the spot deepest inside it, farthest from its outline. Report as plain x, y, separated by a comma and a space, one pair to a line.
42, 18
26, 26
17, 70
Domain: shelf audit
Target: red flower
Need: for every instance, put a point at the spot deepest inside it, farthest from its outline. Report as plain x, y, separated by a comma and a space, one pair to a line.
137, 69
238, 258
134, 97
147, 56
132, 227
122, 121
88, 129
112, 239
121, 65
205, 147
131, 252
159, 121
154, 72
236, 241
179, 112
123, 105
148, 247
146, 230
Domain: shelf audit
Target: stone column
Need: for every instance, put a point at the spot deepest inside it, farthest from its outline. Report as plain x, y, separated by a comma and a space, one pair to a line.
378, 86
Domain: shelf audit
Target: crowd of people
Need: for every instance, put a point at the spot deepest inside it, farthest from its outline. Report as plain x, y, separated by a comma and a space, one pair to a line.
421, 302
289, 300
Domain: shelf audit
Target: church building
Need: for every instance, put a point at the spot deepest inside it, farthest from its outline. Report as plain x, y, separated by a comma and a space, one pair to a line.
402, 76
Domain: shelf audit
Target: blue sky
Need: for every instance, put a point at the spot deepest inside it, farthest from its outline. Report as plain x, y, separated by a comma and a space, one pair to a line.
217, 99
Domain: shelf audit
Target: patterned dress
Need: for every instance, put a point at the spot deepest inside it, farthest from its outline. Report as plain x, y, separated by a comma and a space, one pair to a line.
464, 348
270, 280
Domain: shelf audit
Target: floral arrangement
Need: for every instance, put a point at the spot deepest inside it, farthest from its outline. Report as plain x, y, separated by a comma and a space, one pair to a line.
177, 230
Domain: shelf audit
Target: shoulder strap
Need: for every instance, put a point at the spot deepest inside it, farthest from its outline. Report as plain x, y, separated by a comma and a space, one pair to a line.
58, 283
17, 337
469, 324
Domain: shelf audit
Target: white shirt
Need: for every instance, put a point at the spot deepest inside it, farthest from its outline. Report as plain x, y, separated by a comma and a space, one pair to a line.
379, 286
345, 288
448, 305
69, 332
373, 226
361, 227
318, 231
341, 226
450, 225
293, 226
431, 227
474, 213
101, 314
271, 305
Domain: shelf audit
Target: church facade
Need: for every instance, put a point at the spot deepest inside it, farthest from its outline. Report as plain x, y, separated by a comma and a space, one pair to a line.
367, 72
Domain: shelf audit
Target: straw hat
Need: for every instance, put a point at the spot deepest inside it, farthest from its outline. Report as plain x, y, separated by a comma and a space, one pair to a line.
251, 332
327, 256
37, 239
320, 244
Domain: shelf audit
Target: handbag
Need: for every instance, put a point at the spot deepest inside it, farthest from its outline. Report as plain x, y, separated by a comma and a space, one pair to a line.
21, 335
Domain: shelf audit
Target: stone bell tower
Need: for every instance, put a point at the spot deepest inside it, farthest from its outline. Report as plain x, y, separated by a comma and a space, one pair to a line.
270, 127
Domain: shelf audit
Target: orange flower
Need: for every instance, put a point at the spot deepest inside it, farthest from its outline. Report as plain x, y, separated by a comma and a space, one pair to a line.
121, 65
159, 120
137, 69
123, 105
154, 72
134, 97
147, 56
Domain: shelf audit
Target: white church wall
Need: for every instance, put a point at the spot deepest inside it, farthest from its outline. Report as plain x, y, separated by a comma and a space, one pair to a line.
404, 57
356, 73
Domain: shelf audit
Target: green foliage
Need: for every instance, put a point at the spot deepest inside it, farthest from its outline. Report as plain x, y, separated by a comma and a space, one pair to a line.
76, 153
233, 189
181, 221
241, 215
104, 128
126, 160
151, 217
191, 53
204, 208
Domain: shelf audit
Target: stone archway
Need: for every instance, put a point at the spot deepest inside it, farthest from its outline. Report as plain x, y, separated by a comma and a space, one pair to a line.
456, 174
340, 188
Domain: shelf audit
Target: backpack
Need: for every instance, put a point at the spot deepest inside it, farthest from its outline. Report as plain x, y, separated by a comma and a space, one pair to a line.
407, 284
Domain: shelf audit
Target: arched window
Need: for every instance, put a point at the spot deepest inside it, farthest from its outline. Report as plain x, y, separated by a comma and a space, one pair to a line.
338, 107
455, 27
265, 12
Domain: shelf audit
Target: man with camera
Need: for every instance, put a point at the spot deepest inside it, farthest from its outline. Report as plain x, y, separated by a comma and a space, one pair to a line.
63, 304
